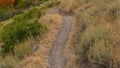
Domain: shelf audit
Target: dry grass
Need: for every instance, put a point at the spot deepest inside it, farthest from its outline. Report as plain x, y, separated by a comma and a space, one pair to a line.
49, 4
105, 13
3, 23
39, 59
25, 48
68, 6
8, 62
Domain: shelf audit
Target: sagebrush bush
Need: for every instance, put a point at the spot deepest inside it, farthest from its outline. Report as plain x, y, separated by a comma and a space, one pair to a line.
84, 20
91, 48
99, 54
90, 36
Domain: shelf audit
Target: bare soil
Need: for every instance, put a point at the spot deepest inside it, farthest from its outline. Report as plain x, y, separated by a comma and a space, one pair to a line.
57, 58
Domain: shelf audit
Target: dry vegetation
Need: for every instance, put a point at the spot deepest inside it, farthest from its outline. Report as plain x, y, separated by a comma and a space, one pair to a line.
68, 6
39, 59
23, 49
94, 45
98, 35
94, 41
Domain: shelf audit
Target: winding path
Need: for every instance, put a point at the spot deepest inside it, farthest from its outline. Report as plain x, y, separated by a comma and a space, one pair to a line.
57, 59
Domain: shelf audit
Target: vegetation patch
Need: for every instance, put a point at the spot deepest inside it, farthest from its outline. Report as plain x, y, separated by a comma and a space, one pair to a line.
18, 37
10, 8
22, 28
97, 27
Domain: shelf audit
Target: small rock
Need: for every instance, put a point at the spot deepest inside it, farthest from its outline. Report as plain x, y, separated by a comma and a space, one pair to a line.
35, 48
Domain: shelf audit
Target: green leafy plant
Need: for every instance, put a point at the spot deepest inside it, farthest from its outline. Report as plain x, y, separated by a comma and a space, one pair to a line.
24, 26
15, 33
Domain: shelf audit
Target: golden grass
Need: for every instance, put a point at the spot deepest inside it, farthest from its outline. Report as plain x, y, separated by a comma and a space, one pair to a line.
68, 6
8, 62
24, 48
105, 13
3, 23
49, 4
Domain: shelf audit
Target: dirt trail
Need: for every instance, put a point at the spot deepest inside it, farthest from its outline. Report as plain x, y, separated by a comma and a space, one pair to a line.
57, 59
57, 38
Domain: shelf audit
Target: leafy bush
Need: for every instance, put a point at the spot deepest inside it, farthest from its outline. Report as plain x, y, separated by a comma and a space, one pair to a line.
18, 6
9, 14
16, 32
22, 28
35, 12
19, 3
32, 14
27, 3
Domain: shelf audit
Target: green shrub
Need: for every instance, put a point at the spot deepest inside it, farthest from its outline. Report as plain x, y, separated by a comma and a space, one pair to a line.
16, 32
19, 4
35, 12
32, 14
1, 25
9, 14
21, 18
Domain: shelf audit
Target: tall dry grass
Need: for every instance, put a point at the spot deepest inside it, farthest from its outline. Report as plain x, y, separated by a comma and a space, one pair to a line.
98, 47
68, 6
